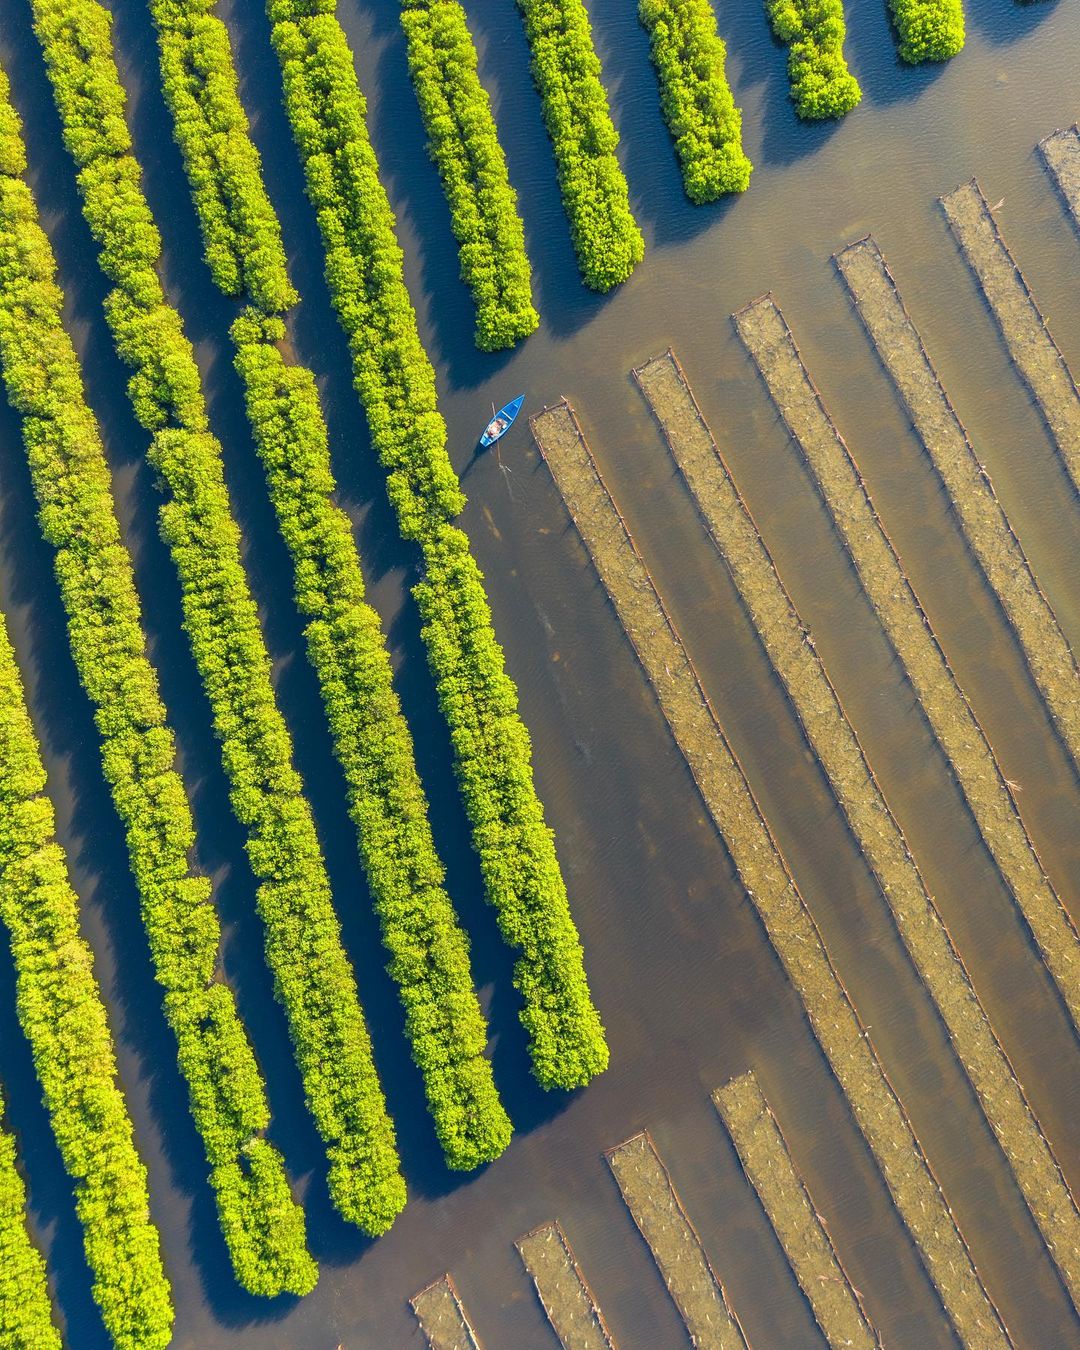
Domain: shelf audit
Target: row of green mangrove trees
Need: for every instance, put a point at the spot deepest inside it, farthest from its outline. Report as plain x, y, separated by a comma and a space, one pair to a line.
695, 97
396, 384
58, 1000
696, 101
25, 1314
428, 947
821, 84
464, 144
263, 1227
63, 1017
566, 70
312, 974
928, 30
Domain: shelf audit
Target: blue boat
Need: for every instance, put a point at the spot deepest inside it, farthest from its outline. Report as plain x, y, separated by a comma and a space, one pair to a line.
501, 423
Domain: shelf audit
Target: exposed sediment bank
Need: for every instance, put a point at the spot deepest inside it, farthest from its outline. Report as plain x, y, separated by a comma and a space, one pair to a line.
1019, 319
1061, 154
982, 518
562, 1290
767, 880
442, 1317
770, 1169
873, 825
691, 1281
769, 341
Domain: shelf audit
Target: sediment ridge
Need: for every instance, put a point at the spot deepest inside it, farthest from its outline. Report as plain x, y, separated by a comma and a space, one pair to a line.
1061, 154
830, 734
562, 1290
770, 1169
1019, 319
442, 1317
768, 339
982, 518
768, 880
694, 1286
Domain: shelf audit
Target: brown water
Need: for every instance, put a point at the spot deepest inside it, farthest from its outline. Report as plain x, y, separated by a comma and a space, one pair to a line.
684, 976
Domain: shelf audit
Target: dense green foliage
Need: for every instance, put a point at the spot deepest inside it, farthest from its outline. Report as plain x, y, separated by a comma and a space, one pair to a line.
429, 950
396, 384
240, 229
464, 144
391, 370
312, 974
61, 1012
929, 30
821, 84
263, 1226
595, 197
25, 1314
700, 112
517, 850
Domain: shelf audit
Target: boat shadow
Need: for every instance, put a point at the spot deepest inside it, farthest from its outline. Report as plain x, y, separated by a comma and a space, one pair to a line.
479, 452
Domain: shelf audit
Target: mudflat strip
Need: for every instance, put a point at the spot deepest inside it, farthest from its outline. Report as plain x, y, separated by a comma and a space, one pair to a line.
985, 525
875, 828
768, 881
566, 1298
657, 1210
442, 1318
768, 340
769, 1168
1061, 154
1023, 328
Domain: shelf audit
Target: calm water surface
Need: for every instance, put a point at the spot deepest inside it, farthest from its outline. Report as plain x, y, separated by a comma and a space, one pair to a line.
687, 983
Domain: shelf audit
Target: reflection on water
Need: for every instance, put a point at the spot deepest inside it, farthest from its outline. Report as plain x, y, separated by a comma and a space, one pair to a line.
687, 983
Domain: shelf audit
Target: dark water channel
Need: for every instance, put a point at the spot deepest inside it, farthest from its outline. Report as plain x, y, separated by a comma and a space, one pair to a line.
687, 983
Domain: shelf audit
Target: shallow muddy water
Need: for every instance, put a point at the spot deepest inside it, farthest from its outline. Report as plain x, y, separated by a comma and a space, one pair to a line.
688, 985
